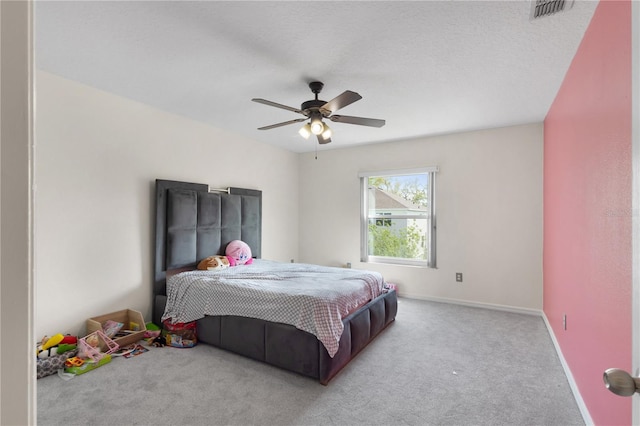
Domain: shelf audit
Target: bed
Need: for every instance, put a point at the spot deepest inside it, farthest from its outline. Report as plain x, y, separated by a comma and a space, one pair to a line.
194, 222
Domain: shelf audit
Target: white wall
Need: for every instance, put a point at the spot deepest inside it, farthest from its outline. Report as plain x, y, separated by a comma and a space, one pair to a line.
488, 206
97, 156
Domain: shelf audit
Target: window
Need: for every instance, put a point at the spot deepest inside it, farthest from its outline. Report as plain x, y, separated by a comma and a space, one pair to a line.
398, 217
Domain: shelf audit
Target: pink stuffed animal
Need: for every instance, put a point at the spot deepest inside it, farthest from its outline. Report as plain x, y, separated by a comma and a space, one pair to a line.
239, 253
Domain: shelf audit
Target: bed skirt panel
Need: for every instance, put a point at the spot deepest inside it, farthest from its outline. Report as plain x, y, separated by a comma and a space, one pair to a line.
285, 346
208, 330
243, 335
292, 350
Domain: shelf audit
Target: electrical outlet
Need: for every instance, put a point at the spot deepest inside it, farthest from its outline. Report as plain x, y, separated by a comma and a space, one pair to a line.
459, 277
564, 321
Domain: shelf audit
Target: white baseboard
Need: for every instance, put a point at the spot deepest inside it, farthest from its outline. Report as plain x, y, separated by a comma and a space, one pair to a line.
495, 307
567, 371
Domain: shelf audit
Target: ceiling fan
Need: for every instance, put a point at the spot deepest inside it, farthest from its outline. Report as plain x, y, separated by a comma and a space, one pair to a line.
315, 110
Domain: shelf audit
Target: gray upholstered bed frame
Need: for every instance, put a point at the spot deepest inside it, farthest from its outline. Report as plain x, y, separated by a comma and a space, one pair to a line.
193, 223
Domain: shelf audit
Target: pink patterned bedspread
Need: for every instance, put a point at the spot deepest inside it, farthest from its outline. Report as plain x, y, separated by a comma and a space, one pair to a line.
310, 297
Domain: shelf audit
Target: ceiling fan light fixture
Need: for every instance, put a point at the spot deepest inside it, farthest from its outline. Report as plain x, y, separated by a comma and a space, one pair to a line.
317, 127
305, 131
326, 133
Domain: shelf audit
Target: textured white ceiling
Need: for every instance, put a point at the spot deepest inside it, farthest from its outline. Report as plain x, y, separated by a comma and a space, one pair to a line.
426, 67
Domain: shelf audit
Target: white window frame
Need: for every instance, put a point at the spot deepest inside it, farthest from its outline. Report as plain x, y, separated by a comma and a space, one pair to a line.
365, 217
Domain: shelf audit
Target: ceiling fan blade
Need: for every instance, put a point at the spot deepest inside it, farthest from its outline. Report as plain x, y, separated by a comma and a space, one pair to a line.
346, 98
372, 122
322, 140
273, 126
275, 104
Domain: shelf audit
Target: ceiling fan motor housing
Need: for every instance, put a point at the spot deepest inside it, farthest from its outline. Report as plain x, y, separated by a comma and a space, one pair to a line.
309, 107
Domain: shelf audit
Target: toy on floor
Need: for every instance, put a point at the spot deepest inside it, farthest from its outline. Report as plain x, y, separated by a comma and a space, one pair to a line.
74, 362
52, 353
87, 365
111, 328
151, 333
90, 346
56, 345
159, 342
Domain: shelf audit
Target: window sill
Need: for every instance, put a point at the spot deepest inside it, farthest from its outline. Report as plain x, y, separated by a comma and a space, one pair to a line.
398, 262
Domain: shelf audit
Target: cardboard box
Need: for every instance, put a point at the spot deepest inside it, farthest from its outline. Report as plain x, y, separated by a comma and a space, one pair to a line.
133, 324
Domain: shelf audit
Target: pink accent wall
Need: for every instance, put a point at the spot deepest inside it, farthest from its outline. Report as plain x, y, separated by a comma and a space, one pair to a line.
587, 211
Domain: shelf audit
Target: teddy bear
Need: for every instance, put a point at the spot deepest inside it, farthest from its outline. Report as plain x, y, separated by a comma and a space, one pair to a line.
213, 263
239, 253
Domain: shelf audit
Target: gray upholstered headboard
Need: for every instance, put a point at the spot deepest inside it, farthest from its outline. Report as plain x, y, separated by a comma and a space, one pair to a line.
193, 223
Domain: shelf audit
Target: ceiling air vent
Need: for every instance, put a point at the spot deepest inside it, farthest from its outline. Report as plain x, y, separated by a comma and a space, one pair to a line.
542, 8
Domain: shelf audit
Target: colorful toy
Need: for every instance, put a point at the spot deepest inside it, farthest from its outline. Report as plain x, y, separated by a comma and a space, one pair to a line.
159, 342
153, 331
74, 362
51, 365
48, 353
239, 253
180, 335
213, 263
88, 365
90, 345
64, 347
52, 341
111, 328
152, 327
55, 345
68, 340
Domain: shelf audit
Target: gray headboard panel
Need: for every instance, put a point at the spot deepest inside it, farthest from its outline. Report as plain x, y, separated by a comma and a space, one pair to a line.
193, 223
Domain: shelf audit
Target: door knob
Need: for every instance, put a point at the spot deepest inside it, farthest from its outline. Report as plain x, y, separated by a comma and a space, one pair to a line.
620, 382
